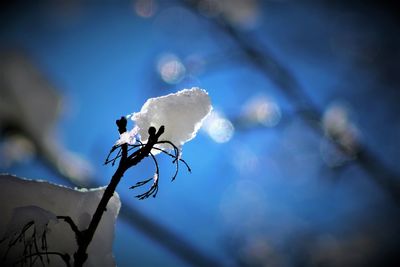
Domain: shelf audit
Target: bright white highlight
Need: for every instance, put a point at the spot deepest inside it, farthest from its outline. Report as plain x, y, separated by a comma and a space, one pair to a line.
181, 113
219, 128
262, 110
128, 137
171, 69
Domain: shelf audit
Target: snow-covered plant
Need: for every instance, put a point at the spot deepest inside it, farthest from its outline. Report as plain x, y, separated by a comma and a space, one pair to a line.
30, 231
181, 113
163, 125
178, 116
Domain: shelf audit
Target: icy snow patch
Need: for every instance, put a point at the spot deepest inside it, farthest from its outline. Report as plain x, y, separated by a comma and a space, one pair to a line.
50, 200
181, 113
128, 137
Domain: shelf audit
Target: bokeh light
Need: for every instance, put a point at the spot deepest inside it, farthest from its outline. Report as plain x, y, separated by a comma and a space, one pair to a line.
262, 110
145, 8
338, 125
171, 68
15, 149
242, 13
297, 164
219, 128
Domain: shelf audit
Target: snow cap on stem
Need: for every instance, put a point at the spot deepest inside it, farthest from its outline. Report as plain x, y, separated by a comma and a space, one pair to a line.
128, 137
182, 114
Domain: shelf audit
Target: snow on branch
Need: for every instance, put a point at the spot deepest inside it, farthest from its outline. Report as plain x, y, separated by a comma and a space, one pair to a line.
178, 117
182, 114
29, 208
29, 223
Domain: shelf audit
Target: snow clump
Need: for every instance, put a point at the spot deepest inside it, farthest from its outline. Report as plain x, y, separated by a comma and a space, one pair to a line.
182, 113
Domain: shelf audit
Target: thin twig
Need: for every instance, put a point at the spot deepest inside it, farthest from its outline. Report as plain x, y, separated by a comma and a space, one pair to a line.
161, 234
124, 164
20, 237
154, 187
176, 157
119, 155
37, 250
64, 257
169, 154
72, 224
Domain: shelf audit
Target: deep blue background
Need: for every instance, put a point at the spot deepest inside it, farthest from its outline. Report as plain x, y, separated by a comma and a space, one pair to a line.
267, 191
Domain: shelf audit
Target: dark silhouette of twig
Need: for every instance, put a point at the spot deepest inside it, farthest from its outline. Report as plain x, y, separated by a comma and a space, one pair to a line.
173, 156
134, 217
19, 237
154, 230
125, 163
154, 187
64, 257
176, 157
31, 250
108, 160
159, 233
155, 148
73, 226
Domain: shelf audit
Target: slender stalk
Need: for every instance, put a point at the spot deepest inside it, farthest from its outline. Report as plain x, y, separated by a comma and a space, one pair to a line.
125, 163
87, 235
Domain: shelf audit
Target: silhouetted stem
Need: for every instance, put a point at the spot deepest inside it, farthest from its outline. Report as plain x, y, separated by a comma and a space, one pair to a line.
80, 256
125, 163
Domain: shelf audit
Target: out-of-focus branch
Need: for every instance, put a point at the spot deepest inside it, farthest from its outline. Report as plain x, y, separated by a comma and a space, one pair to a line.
281, 76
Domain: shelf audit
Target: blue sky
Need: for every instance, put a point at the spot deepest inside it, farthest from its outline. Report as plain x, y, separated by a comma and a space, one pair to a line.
265, 185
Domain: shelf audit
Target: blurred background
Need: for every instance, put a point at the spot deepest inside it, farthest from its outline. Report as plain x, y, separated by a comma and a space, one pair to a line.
296, 166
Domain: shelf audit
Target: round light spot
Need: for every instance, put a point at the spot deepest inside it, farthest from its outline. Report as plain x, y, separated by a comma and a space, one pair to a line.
219, 128
171, 69
262, 110
145, 8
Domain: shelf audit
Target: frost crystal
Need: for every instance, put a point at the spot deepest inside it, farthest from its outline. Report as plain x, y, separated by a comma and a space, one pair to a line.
181, 113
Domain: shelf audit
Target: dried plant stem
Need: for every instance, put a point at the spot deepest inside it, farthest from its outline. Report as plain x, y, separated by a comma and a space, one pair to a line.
86, 236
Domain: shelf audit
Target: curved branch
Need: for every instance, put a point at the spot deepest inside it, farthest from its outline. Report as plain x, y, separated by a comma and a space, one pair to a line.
119, 155
169, 154
72, 224
154, 187
176, 156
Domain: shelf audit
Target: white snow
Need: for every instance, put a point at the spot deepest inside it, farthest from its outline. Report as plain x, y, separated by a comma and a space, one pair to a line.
181, 113
22, 200
128, 137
